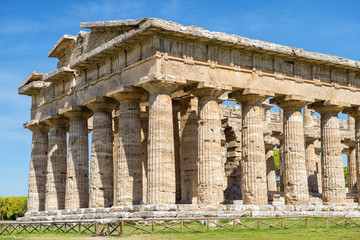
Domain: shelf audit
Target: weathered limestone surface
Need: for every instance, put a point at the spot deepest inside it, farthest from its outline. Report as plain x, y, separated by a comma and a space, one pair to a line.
37, 175
189, 149
352, 178
176, 125
270, 168
357, 148
333, 182
295, 175
161, 181
231, 124
144, 118
210, 167
56, 165
355, 113
115, 128
129, 161
77, 175
167, 155
101, 163
352, 181
312, 166
253, 165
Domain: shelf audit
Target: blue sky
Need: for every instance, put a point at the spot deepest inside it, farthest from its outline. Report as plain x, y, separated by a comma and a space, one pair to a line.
29, 29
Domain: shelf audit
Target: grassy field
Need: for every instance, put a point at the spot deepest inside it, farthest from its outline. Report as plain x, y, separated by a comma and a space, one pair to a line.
316, 229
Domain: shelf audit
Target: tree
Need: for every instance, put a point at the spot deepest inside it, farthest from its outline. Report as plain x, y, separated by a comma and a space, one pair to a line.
12, 207
346, 174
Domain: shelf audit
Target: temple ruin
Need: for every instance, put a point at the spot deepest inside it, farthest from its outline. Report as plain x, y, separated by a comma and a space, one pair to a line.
154, 98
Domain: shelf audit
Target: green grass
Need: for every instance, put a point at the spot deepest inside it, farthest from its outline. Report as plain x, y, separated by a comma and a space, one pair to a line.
316, 229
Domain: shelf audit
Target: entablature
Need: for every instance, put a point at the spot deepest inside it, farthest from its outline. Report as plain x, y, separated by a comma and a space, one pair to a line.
33, 84
59, 49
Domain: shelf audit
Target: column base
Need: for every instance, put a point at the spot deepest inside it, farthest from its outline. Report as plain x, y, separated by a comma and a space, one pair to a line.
276, 208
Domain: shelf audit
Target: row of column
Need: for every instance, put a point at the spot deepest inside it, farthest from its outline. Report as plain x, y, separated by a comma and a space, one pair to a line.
67, 184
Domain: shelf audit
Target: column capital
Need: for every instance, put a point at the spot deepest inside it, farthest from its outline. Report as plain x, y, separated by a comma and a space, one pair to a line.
210, 89
353, 111
266, 105
310, 139
252, 95
159, 83
271, 142
36, 126
128, 94
349, 142
328, 106
101, 104
75, 112
55, 120
176, 104
291, 101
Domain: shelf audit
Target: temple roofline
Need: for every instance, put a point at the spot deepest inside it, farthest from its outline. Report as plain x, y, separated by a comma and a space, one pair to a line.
142, 25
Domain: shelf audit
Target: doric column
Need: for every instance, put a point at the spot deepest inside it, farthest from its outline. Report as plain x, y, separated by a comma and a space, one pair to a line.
189, 149
311, 165
354, 112
279, 136
308, 122
161, 160
318, 167
129, 162
37, 174
267, 106
77, 178
56, 164
253, 164
209, 164
270, 168
352, 170
281, 151
333, 181
176, 113
101, 163
351, 156
295, 175
357, 149
311, 135
115, 128
144, 118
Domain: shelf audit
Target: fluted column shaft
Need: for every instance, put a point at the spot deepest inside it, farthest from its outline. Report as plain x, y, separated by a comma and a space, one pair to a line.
129, 162
77, 178
101, 163
37, 174
333, 181
115, 127
56, 165
281, 152
270, 168
189, 149
295, 177
357, 149
209, 165
144, 118
311, 165
161, 181
176, 113
253, 164
352, 178
355, 113
352, 181
308, 122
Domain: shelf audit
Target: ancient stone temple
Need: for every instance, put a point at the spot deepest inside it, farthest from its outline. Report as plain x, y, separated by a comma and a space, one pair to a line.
135, 122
